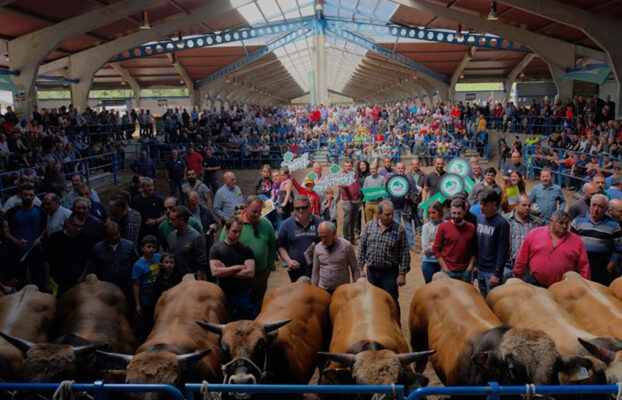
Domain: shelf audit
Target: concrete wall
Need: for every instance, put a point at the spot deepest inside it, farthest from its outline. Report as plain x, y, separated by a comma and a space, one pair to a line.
481, 96
526, 92
146, 103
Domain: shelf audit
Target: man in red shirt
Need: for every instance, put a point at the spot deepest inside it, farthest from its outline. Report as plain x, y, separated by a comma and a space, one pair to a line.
455, 244
194, 161
551, 251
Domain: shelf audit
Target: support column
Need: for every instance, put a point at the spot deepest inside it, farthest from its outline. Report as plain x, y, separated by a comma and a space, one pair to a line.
459, 69
319, 62
132, 83
509, 80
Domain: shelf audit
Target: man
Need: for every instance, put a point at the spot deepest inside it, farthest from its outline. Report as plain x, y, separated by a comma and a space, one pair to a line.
97, 209
602, 237
373, 180
210, 166
27, 227
93, 228
57, 214
258, 234
186, 244
232, 263
350, 204
144, 166
615, 191
76, 182
227, 197
194, 160
150, 206
404, 207
333, 260
476, 173
432, 183
615, 210
129, 220
387, 169
599, 181
165, 228
194, 184
296, 236
16, 199
547, 196
455, 244
383, 255
317, 170
67, 254
175, 169
582, 206
514, 165
488, 182
112, 260
493, 241
521, 223
550, 251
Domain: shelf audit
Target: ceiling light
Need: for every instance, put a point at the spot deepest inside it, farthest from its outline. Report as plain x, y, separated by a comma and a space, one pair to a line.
522, 75
492, 15
144, 20
459, 32
180, 40
319, 6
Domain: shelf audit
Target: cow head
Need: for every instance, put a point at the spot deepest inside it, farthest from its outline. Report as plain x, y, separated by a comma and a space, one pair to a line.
609, 351
245, 346
52, 362
513, 356
376, 367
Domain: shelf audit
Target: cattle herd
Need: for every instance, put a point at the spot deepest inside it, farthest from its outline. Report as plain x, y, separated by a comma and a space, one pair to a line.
519, 334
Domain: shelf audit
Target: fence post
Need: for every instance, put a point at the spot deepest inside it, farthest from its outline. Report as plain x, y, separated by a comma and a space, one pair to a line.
98, 393
494, 391
560, 169
114, 168
85, 168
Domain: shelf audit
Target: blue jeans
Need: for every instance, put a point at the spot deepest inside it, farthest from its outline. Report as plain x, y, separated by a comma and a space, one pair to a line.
397, 217
385, 279
465, 276
507, 274
175, 184
483, 281
428, 269
241, 306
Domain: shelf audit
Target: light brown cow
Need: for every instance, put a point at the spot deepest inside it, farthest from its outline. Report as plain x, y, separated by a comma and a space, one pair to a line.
527, 306
89, 316
177, 348
598, 311
281, 344
367, 340
27, 314
472, 345
616, 288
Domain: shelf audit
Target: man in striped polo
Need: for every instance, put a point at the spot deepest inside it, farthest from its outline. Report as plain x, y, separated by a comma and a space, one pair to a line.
602, 237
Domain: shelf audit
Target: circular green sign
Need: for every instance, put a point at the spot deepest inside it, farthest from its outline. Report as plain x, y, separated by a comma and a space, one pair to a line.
287, 157
458, 166
334, 168
398, 186
311, 175
451, 185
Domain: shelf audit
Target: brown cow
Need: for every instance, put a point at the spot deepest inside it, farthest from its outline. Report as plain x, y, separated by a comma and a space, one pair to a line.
527, 306
176, 348
368, 341
280, 345
472, 346
598, 311
28, 314
91, 315
616, 288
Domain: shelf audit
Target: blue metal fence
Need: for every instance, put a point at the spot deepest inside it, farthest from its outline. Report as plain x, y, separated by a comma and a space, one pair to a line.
397, 391
99, 389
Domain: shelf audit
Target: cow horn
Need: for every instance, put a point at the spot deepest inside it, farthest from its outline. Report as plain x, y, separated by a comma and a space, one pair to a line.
407, 358
273, 326
185, 360
117, 358
347, 359
81, 351
22, 344
214, 328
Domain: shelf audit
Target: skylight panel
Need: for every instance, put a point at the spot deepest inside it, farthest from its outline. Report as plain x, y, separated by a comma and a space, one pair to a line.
251, 14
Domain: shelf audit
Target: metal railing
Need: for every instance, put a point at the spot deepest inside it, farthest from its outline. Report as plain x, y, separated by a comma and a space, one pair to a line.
397, 391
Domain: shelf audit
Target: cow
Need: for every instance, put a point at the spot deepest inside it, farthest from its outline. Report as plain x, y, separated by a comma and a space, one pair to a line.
616, 288
599, 312
89, 316
527, 306
280, 345
473, 347
29, 315
176, 348
367, 346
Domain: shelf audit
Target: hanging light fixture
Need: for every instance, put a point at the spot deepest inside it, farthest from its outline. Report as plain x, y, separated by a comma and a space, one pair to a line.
144, 20
492, 15
180, 40
459, 32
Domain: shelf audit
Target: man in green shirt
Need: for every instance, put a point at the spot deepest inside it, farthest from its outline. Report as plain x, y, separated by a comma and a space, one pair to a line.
165, 228
258, 234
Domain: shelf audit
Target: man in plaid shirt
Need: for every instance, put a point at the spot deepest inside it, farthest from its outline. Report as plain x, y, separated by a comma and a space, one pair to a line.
521, 223
383, 252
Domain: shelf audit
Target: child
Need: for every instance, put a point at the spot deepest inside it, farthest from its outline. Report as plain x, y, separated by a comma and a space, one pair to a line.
329, 207
144, 275
169, 275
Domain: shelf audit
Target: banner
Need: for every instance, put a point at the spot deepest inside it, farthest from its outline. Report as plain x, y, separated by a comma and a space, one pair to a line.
374, 193
335, 178
595, 73
295, 164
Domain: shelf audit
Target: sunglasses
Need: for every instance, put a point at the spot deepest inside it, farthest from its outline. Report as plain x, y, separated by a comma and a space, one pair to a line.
301, 208
170, 208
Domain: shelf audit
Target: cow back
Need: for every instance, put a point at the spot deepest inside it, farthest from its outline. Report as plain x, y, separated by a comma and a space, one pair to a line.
593, 305
27, 314
293, 353
96, 311
175, 325
616, 288
448, 315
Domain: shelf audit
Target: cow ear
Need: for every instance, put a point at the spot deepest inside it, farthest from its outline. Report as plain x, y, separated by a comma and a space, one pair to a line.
600, 352
484, 359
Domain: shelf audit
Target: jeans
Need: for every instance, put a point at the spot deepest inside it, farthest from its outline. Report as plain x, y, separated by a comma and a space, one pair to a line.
385, 279
350, 213
465, 276
428, 269
397, 217
173, 185
507, 274
294, 274
241, 306
483, 281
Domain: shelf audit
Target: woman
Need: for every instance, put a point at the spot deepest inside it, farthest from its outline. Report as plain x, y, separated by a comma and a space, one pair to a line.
430, 265
362, 172
512, 190
263, 184
286, 200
